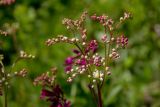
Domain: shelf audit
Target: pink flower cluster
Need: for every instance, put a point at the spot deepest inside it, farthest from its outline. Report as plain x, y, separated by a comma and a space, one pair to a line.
86, 58
80, 59
6, 2
103, 19
85, 55
122, 41
55, 96
51, 91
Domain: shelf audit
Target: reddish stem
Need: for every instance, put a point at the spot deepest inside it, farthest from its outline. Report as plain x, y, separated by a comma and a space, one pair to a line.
100, 103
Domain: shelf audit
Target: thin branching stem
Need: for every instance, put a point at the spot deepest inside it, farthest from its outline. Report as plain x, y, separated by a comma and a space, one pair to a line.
89, 71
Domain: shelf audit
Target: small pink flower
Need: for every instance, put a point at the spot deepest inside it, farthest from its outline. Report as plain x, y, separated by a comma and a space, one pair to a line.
94, 17
68, 68
122, 40
81, 61
69, 61
93, 46
104, 38
97, 60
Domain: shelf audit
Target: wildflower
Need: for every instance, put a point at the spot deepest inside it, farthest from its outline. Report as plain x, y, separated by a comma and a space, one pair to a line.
94, 17
107, 68
122, 41
81, 61
108, 73
51, 91
93, 46
97, 60
47, 78
61, 39
3, 33
86, 59
21, 73
69, 61
125, 16
114, 54
7, 2
55, 96
98, 74
24, 55
104, 38
68, 68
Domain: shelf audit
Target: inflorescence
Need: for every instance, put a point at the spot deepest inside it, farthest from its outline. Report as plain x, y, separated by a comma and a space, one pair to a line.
6, 2
51, 91
86, 59
3, 33
6, 76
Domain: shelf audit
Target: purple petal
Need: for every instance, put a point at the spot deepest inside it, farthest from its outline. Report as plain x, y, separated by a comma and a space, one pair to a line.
92, 46
68, 68
76, 51
69, 61
46, 93
81, 61
57, 90
67, 104
59, 105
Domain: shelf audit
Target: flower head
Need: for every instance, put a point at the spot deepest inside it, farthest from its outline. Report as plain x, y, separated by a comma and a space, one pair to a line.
86, 59
46, 79
7, 2
81, 61
51, 91
55, 96
122, 41
3, 33
92, 46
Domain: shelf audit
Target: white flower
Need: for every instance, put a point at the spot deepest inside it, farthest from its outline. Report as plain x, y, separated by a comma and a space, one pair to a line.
98, 74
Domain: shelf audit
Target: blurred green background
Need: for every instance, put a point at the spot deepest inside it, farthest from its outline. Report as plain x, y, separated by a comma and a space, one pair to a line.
135, 80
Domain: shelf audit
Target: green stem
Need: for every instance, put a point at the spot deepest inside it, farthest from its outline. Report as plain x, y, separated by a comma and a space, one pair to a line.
5, 96
14, 63
3, 74
93, 94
